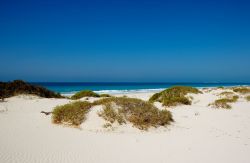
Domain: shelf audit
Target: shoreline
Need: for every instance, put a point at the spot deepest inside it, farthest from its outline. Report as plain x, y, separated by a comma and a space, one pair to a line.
137, 91
122, 87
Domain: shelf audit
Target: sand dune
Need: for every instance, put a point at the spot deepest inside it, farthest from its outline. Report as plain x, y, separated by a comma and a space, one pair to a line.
199, 134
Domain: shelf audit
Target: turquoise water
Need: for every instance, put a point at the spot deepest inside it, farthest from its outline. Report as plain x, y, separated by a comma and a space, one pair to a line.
116, 88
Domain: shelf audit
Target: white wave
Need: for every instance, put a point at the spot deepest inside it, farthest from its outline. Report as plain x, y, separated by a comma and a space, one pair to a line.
126, 91
68, 94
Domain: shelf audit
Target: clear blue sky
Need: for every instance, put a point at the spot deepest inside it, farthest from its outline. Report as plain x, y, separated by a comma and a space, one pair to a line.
145, 41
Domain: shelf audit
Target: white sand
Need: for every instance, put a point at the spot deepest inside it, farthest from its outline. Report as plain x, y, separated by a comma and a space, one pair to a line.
200, 134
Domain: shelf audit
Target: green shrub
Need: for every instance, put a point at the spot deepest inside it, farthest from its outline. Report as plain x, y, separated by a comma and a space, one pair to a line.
227, 94
140, 113
174, 95
72, 113
105, 95
248, 98
116, 109
155, 97
242, 90
9, 89
2, 94
224, 102
84, 93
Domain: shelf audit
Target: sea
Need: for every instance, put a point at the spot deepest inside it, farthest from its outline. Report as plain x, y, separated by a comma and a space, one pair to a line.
70, 88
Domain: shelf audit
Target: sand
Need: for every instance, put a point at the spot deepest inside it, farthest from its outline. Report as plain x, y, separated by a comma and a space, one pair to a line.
199, 134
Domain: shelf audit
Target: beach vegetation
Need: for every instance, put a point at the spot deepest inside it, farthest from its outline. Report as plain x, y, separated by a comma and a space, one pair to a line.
227, 94
248, 98
71, 114
122, 110
107, 125
224, 103
84, 93
17, 87
105, 95
174, 95
110, 114
141, 114
2, 94
242, 90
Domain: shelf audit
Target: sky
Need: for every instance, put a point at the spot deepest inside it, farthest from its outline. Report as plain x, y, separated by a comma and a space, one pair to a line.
125, 41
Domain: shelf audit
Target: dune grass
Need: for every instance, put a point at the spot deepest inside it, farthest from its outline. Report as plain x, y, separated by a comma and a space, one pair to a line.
105, 95
17, 87
227, 94
174, 95
84, 93
224, 103
141, 114
71, 114
88, 93
110, 114
242, 90
248, 98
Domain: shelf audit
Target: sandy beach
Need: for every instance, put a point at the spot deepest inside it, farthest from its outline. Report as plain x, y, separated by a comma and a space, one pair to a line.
199, 134
125, 81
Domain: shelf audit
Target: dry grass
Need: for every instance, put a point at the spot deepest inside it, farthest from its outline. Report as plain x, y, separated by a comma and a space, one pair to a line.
71, 114
174, 96
227, 94
87, 93
84, 93
105, 95
17, 87
224, 102
248, 98
107, 125
110, 114
242, 90
141, 114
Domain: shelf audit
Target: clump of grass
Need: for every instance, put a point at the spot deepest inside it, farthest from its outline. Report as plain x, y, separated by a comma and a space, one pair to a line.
174, 96
224, 102
2, 94
84, 93
155, 97
17, 87
227, 94
140, 113
71, 114
107, 125
105, 95
242, 90
111, 115
248, 98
